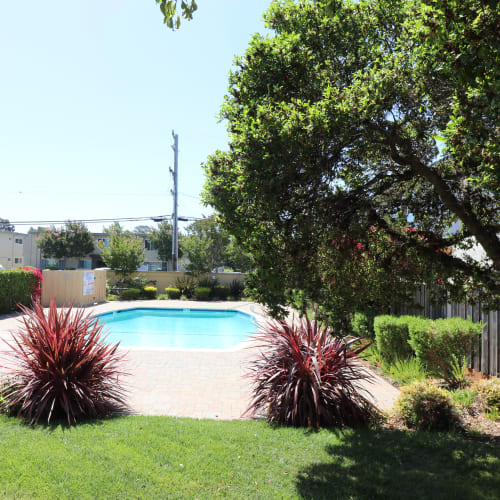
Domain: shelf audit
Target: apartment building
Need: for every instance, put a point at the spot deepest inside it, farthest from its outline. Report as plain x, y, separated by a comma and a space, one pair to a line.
33, 256
12, 250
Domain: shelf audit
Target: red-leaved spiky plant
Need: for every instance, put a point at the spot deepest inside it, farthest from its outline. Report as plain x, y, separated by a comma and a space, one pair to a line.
62, 367
303, 376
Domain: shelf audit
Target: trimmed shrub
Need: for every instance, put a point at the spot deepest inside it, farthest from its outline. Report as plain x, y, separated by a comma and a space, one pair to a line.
17, 287
202, 293
221, 292
306, 377
392, 336
437, 342
362, 324
425, 406
173, 293
63, 367
488, 392
149, 292
131, 294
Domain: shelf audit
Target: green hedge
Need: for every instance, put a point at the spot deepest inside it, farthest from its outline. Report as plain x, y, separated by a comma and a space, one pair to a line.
131, 294
202, 293
362, 324
392, 336
16, 287
436, 342
173, 293
221, 292
149, 292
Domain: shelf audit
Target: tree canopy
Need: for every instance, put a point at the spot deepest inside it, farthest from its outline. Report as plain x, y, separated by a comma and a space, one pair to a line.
124, 254
73, 240
363, 132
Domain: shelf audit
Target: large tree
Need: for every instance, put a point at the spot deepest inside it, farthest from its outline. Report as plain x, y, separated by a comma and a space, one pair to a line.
73, 240
205, 245
365, 118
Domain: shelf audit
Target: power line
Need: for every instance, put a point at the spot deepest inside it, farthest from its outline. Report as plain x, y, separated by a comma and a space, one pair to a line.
156, 218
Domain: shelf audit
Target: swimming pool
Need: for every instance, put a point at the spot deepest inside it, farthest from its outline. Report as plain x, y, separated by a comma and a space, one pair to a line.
179, 328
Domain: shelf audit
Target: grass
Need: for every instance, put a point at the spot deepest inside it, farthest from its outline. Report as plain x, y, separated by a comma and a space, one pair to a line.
405, 371
464, 397
161, 457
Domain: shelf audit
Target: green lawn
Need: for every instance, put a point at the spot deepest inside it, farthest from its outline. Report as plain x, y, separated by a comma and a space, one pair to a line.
159, 457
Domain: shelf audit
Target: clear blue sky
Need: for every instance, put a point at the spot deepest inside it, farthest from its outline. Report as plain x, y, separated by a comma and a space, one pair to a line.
89, 94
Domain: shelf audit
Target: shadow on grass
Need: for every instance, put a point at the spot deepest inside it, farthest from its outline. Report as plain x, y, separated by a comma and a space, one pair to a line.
60, 422
385, 464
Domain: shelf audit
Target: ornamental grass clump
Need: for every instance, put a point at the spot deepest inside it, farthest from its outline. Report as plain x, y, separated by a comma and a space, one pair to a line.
62, 367
306, 377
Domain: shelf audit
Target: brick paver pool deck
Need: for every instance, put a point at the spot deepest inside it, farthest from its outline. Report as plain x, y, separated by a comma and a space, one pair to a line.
194, 383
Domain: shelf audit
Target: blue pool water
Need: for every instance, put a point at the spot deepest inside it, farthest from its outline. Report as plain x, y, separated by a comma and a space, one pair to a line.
182, 328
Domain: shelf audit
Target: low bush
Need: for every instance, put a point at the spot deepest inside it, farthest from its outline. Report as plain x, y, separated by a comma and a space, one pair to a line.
17, 287
163, 296
186, 284
362, 324
173, 293
424, 406
488, 392
221, 292
392, 336
437, 342
236, 289
306, 377
202, 293
208, 282
149, 292
63, 367
131, 294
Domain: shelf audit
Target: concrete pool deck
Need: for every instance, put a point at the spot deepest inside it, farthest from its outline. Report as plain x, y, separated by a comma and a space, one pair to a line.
193, 383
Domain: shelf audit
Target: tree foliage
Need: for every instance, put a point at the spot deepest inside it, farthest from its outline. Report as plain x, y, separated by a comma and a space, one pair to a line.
74, 240
334, 125
169, 10
162, 240
6, 226
207, 245
124, 254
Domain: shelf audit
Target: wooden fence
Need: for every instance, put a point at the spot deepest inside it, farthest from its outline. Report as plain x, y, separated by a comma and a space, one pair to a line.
486, 358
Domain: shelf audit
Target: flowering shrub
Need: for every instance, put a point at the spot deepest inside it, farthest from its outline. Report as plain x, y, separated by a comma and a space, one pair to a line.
305, 377
36, 293
62, 367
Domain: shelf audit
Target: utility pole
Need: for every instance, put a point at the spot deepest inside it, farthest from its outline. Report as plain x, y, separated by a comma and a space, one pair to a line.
175, 240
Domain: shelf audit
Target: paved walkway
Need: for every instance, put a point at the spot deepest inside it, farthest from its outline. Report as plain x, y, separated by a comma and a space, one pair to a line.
194, 383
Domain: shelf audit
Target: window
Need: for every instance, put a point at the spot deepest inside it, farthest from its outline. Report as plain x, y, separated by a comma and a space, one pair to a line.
18, 260
61, 264
104, 241
19, 241
44, 263
84, 264
149, 245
